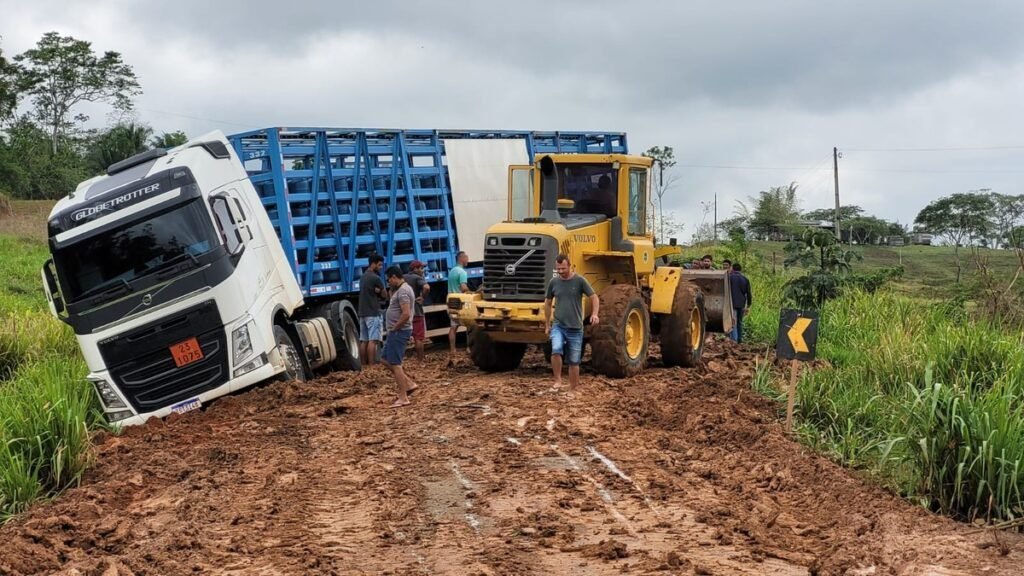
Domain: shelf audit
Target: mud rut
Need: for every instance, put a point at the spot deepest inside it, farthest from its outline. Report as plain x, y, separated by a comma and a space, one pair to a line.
674, 471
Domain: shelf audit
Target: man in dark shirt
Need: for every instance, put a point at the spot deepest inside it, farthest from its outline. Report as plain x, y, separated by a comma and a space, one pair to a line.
372, 293
742, 299
420, 289
567, 289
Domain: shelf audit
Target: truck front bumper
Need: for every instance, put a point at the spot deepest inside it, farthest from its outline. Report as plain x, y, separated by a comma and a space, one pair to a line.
503, 321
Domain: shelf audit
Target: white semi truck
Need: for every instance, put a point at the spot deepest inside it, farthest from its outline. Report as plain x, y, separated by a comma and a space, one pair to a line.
191, 273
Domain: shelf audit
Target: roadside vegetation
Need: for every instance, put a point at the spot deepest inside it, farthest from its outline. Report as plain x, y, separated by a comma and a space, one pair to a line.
46, 406
918, 382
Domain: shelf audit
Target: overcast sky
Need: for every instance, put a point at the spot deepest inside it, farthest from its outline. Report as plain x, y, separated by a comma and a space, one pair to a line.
750, 94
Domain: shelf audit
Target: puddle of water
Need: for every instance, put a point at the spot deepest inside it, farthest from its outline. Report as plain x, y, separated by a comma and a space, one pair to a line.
555, 463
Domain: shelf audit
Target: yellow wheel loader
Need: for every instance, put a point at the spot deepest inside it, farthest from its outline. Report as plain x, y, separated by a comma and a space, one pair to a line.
592, 208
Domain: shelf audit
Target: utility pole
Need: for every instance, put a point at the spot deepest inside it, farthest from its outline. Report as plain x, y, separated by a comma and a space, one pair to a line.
716, 218
835, 170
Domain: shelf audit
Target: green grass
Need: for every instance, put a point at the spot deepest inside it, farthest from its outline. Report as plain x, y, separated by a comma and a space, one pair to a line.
915, 392
47, 408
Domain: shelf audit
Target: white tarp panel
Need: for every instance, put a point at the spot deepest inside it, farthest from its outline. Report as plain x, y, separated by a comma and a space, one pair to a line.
478, 171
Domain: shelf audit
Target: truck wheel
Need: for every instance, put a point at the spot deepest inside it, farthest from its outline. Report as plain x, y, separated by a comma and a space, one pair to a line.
618, 344
293, 369
491, 356
346, 337
682, 331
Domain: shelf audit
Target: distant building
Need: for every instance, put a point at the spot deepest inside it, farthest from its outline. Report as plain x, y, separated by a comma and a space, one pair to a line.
895, 241
921, 239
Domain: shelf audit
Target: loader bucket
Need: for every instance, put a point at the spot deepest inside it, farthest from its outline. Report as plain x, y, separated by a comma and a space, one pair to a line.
717, 299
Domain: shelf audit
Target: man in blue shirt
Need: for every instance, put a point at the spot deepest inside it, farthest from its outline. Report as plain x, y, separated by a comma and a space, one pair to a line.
742, 299
457, 284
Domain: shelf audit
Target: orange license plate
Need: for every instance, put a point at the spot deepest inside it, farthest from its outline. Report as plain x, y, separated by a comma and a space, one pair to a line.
186, 352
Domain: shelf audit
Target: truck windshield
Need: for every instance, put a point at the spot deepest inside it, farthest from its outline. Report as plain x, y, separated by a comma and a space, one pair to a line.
116, 258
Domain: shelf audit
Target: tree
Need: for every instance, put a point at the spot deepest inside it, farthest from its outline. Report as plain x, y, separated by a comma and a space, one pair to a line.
29, 169
775, 211
1007, 214
62, 72
829, 266
664, 178
960, 219
828, 214
169, 140
8, 88
120, 142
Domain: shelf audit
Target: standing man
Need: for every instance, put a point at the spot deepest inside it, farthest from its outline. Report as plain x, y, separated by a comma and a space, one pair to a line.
371, 293
727, 265
457, 278
568, 289
420, 289
399, 324
742, 299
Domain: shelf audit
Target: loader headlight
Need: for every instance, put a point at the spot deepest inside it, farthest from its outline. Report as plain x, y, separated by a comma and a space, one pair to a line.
108, 396
241, 344
533, 242
492, 240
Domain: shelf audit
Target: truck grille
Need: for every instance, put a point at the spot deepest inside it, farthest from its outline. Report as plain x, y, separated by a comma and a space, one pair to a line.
517, 272
141, 365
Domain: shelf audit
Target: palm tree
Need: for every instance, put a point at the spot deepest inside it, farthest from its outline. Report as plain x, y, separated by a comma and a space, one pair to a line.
120, 142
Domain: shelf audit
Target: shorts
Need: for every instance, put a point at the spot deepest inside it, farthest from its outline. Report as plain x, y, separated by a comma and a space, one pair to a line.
455, 323
419, 328
567, 343
371, 328
394, 346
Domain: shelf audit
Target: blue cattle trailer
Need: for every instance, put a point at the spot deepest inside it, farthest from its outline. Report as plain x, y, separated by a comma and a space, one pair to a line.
338, 195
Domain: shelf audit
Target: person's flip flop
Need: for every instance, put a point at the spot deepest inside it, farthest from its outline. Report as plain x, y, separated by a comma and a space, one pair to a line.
400, 404
411, 390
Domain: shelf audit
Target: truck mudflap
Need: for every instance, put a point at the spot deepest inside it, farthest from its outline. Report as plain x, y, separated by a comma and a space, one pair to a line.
717, 297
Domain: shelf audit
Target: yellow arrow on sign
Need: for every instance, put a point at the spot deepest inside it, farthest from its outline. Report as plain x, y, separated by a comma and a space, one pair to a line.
796, 334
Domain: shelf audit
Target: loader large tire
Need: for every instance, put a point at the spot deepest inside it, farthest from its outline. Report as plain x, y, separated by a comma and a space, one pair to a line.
618, 344
683, 331
491, 356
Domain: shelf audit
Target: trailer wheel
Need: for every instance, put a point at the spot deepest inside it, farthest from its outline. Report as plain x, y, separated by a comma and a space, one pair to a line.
618, 344
491, 356
682, 331
293, 369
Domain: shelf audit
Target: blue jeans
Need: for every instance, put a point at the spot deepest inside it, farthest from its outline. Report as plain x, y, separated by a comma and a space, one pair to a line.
737, 325
567, 343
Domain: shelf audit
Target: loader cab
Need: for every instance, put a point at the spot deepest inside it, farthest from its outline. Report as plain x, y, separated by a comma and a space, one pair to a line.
596, 185
607, 191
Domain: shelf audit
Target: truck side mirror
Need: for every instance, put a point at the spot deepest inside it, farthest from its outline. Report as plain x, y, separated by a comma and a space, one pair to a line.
52, 290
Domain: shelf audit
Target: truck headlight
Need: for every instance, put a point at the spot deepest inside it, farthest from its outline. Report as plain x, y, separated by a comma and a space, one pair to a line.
241, 344
251, 365
108, 397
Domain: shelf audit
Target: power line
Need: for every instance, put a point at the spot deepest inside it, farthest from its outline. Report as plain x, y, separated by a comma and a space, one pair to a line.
947, 149
224, 122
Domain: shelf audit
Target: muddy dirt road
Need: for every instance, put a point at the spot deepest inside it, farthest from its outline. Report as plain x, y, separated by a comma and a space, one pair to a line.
673, 472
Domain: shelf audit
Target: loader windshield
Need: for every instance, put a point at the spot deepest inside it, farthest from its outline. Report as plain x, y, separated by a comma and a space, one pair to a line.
592, 187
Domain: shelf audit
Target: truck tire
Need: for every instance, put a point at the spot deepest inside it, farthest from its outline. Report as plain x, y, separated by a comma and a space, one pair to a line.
294, 369
346, 337
491, 356
683, 331
618, 344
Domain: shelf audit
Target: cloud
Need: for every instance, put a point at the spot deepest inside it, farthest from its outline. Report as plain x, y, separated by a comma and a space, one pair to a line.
766, 89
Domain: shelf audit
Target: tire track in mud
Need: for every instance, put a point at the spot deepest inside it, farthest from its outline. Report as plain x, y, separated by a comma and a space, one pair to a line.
668, 472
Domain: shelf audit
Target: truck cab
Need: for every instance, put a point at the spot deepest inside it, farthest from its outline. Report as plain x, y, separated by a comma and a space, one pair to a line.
170, 274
